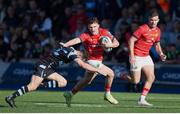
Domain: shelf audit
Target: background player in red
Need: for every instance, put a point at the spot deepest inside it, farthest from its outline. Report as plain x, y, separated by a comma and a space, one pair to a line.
92, 44
139, 45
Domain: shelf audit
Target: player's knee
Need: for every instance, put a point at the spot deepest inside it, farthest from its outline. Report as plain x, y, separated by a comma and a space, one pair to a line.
32, 87
62, 83
151, 78
136, 81
111, 74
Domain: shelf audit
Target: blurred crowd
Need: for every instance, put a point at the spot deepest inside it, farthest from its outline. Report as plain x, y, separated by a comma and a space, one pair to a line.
30, 28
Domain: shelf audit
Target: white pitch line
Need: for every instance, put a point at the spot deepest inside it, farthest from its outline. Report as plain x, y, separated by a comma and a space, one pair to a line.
102, 106
74, 105
151, 97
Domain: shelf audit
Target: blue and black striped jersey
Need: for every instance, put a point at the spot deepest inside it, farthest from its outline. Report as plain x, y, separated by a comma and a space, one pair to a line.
60, 54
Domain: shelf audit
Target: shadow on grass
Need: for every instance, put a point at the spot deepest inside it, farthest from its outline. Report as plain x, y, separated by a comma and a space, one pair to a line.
3, 106
43, 101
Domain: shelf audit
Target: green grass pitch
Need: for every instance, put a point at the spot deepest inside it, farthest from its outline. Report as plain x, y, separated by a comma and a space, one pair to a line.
89, 102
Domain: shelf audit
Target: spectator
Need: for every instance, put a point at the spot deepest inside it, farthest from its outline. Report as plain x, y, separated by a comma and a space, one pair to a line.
2, 11
3, 49
81, 27
172, 53
37, 51
178, 58
33, 8
28, 50
90, 6
78, 13
175, 32
178, 43
11, 20
176, 11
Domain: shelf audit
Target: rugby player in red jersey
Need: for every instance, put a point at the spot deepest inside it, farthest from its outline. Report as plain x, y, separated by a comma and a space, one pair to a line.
140, 43
92, 44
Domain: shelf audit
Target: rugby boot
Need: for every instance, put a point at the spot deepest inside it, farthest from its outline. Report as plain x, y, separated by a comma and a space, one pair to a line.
108, 97
68, 97
144, 103
10, 101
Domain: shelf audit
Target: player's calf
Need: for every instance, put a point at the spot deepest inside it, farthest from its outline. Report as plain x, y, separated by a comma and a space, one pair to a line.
53, 84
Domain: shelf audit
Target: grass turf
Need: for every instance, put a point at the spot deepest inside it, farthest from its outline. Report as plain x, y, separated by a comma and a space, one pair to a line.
89, 102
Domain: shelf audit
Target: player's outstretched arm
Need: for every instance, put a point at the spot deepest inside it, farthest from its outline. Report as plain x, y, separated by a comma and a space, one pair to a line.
89, 67
72, 42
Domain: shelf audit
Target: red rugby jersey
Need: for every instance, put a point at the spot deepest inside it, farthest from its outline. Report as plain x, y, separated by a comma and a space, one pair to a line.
146, 37
92, 44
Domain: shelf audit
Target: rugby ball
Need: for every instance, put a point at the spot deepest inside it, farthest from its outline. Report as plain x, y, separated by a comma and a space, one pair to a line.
106, 39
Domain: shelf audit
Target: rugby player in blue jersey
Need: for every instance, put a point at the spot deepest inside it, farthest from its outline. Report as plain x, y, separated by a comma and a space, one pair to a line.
45, 69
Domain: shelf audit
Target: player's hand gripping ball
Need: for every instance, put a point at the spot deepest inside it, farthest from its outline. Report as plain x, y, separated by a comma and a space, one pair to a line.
106, 40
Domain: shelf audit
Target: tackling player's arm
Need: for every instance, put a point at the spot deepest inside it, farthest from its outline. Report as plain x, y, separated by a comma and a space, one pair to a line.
159, 51
89, 67
72, 42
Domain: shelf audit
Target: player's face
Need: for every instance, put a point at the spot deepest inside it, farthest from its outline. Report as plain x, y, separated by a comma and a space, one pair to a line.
94, 28
153, 21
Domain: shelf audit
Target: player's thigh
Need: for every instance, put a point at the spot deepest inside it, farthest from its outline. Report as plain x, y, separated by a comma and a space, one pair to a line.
107, 70
148, 68
149, 72
57, 77
89, 76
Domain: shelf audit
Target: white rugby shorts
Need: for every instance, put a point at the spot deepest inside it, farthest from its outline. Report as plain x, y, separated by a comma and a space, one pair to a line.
95, 63
141, 62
